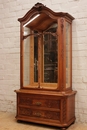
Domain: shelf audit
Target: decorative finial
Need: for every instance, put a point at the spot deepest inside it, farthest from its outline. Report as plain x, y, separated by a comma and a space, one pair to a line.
38, 6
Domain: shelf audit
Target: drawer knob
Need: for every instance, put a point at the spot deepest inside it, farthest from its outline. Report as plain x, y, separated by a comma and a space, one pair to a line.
38, 103
37, 114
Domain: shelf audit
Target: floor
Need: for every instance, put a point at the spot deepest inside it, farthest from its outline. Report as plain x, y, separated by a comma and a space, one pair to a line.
8, 122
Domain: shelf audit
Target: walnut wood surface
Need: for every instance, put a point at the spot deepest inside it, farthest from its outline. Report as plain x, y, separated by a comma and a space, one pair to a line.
46, 103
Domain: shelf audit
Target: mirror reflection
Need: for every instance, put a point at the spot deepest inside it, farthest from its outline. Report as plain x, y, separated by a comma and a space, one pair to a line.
26, 59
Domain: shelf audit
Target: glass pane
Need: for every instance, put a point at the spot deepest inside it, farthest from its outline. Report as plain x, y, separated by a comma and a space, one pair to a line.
35, 57
67, 54
26, 59
50, 55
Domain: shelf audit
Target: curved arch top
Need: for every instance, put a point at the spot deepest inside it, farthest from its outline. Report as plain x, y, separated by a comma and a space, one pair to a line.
44, 14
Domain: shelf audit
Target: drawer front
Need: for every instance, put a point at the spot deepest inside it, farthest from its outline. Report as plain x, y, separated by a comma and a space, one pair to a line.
38, 102
39, 113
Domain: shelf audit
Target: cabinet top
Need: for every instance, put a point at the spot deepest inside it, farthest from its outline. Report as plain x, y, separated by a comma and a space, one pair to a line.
40, 92
40, 13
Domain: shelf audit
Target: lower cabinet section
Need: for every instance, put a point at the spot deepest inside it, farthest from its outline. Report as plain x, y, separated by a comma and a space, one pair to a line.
57, 109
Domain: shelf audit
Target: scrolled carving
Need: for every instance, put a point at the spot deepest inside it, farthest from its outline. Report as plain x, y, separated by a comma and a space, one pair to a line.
52, 115
38, 6
25, 101
53, 103
25, 111
62, 24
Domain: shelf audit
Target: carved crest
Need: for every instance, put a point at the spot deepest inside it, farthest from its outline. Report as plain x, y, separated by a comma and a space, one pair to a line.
38, 6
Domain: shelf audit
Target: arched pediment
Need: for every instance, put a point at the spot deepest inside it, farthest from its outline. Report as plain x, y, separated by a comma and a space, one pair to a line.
40, 17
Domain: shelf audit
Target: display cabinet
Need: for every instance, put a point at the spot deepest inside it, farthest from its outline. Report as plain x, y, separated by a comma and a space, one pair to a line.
45, 95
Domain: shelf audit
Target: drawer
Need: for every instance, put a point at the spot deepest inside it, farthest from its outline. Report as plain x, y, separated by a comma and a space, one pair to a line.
38, 102
53, 115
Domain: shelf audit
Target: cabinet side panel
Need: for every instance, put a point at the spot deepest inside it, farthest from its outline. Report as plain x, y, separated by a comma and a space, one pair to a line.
70, 107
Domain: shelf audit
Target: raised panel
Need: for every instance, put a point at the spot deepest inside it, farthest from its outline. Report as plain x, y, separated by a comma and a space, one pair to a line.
38, 102
52, 115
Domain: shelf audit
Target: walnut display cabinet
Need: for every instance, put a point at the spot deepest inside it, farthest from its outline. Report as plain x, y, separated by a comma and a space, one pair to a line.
45, 95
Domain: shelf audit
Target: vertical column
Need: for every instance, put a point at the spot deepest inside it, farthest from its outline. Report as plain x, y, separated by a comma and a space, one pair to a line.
39, 60
21, 56
61, 52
